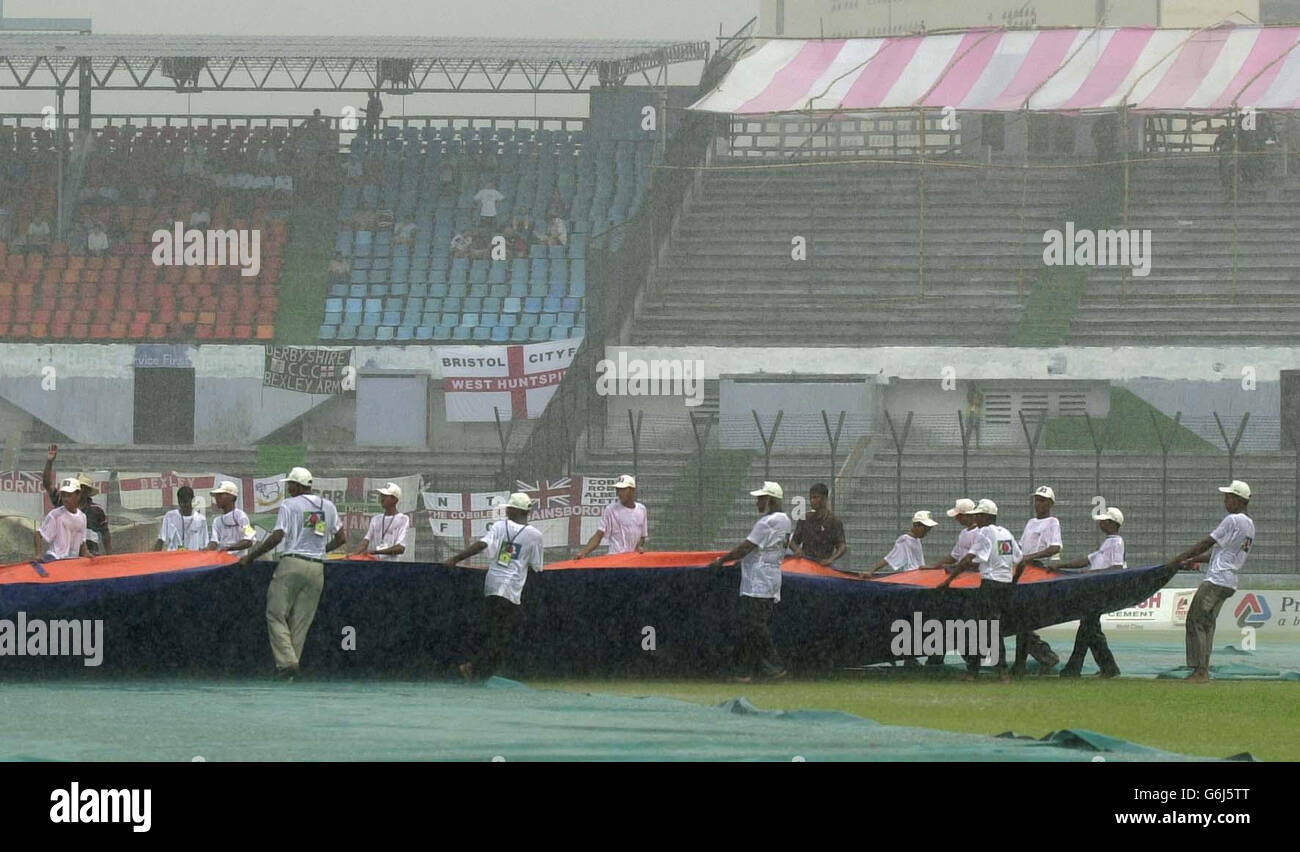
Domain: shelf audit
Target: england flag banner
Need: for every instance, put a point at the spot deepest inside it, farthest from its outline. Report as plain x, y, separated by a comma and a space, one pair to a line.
517, 381
567, 510
462, 514
158, 490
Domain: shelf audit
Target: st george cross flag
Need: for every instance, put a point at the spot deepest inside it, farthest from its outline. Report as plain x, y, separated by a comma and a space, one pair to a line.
568, 510
462, 514
518, 381
158, 490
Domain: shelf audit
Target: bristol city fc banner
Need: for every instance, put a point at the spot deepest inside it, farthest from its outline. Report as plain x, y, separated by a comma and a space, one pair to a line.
517, 381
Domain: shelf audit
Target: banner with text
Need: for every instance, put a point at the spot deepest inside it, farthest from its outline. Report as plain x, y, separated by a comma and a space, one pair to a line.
517, 381
308, 369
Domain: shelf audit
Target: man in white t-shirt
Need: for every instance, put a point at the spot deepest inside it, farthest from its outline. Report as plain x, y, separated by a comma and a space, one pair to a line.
514, 548
62, 534
1110, 555
963, 512
309, 526
183, 528
231, 529
624, 521
389, 530
1229, 545
1041, 545
907, 554
487, 199
760, 556
996, 552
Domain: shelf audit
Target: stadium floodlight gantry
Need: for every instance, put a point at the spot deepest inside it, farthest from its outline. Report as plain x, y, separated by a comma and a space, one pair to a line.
333, 63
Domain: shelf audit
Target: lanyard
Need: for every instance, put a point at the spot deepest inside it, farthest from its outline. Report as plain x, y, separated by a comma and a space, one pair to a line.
383, 526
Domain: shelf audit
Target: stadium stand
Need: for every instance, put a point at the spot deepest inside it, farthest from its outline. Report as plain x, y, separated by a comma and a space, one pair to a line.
414, 287
860, 285
138, 181
1190, 289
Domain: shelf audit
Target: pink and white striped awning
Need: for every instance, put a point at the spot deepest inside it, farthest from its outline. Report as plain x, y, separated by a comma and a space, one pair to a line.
1058, 70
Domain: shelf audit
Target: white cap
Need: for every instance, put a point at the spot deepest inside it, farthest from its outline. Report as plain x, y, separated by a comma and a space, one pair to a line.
88, 484
70, 486
963, 506
300, 475
226, 487
1045, 491
392, 489
625, 481
520, 500
986, 507
769, 489
1111, 514
923, 517
1237, 487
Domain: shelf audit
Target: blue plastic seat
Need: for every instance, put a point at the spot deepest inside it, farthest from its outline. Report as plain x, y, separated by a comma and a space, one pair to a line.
481, 333
500, 334
519, 334
384, 332
328, 332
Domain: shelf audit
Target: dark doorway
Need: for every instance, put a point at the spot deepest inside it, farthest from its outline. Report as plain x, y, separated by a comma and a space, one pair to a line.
164, 405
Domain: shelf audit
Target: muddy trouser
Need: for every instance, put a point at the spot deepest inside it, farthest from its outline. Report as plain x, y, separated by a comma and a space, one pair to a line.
1201, 618
1090, 638
993, 602
291, 602
500, 615
757, 655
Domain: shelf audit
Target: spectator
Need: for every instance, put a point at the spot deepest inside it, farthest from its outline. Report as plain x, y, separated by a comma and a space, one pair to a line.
38, 234
461, 245
266, 159
516, 245
340, 269
974, 413
404, 233
557, 232
446, 176
195, 161
487, 199
384, 219
374, 109
482, 246
557, 209
97, 241
200, 218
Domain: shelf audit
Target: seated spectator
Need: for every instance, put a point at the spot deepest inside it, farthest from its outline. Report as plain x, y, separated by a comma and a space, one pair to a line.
529, 231
481, 248
404, 233
487, 199
462, 245
97, 240
516, 245
266, 159
38, 234
557, 232
557, 209
339, 269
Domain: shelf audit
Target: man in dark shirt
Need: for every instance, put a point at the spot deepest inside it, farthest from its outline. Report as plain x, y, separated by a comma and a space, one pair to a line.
96, 518
820, 535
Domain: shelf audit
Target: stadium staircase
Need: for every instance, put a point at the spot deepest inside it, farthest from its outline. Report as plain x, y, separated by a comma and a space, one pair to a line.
729, 279
1188, 297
